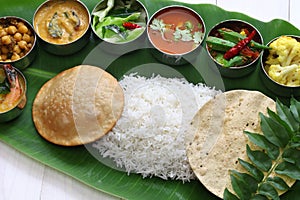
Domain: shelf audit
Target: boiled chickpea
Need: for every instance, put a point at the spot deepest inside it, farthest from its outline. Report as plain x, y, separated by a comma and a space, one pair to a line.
6, 40
3, 33
18, 37
12, 30
4, 50
15, 56
26, 38
17, 49
23, 29
22, 44
4, 56
20, 24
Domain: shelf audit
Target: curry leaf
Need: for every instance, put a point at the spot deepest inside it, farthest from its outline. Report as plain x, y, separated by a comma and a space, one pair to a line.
259, 159
243, 184
287, 116
256, 173
262, 142
227, 195
268, 190
278, 183
292, 155
274, 132
277, 118
288, 169
295, 108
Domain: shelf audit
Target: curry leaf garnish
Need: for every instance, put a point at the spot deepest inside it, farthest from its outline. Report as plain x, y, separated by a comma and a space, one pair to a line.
256, 173
262, 142
259, 159
277, 156
268, 190
278, 183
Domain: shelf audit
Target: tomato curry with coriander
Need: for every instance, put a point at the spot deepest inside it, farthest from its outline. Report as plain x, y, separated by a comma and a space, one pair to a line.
176, 30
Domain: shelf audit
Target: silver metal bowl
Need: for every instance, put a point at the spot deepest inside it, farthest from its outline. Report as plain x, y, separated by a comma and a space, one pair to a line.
19, 105
175, 58
65, 48
114, 46
235, 25
275, 87
25, 60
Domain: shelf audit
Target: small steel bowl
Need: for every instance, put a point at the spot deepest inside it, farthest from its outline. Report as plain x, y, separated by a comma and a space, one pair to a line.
53, 43
20, 58
177, 55
8, 114
277, 88
235, 25
117, 45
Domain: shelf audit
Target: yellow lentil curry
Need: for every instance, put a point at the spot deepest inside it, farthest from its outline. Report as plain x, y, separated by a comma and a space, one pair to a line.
61, 21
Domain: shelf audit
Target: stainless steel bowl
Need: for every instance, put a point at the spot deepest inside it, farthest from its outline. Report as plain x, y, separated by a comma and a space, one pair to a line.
175, 58
62, 48
235, 25
115, 45
19, 105
25, 60
275, 87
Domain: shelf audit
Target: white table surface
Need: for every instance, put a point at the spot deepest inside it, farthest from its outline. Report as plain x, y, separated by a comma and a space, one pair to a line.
26, 179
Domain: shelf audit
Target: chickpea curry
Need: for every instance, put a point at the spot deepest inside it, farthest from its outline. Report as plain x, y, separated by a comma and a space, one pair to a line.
16, 39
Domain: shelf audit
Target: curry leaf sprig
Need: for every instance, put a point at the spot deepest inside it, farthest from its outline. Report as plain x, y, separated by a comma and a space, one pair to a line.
280, 155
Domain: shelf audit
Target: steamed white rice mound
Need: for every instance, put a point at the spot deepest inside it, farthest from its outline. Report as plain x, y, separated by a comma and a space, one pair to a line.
149, 138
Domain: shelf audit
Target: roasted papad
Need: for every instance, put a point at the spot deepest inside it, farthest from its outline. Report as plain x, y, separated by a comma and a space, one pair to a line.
78, 106
218, 137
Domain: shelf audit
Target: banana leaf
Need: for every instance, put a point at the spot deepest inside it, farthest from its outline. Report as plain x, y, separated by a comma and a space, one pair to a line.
79, 162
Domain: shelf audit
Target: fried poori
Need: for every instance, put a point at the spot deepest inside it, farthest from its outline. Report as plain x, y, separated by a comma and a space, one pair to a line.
78, 106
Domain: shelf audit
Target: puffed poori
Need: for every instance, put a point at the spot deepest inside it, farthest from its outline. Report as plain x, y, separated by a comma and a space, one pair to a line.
78, 106
218, 138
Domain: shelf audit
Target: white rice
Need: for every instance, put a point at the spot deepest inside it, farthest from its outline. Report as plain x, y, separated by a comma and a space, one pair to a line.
149, 137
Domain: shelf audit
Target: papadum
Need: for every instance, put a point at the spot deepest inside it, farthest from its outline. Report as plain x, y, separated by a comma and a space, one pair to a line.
218, 138
78, 106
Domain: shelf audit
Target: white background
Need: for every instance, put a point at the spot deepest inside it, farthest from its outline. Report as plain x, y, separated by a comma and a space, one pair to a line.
23, 178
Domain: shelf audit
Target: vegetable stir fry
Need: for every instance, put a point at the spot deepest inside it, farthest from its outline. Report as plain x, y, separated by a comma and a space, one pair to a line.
119, 20
232, 49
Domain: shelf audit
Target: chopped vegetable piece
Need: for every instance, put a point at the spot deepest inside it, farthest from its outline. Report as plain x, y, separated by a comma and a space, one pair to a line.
239, 46
235, 37
219, 44
130, 26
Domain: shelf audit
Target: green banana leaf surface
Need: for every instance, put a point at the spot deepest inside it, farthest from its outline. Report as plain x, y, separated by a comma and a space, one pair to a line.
78, 162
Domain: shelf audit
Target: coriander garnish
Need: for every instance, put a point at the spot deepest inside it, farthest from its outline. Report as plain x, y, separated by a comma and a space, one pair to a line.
183, 33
